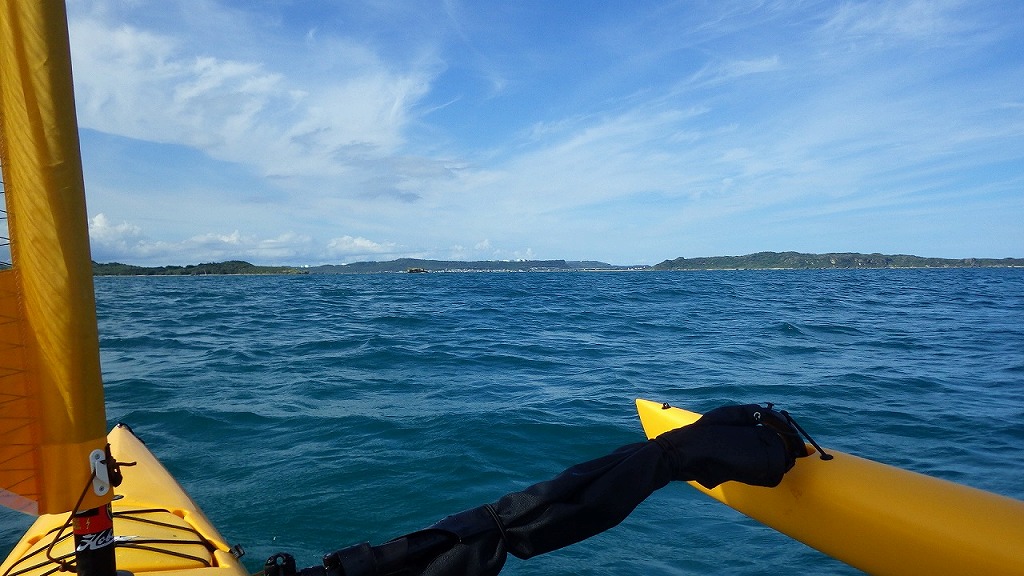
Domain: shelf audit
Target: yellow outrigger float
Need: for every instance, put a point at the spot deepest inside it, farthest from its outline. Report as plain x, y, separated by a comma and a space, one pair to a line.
56, 460
875, 517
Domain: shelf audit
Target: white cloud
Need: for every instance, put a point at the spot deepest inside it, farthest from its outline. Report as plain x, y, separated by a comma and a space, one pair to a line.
725, 71
354, 248
885, 23
101, 230
126, 242
154, 86
527, 254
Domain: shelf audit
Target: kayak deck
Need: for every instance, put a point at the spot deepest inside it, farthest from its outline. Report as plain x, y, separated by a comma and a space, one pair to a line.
157, 526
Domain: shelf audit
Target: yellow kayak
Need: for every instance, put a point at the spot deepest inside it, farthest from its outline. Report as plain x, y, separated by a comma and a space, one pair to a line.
878, 518
159, 529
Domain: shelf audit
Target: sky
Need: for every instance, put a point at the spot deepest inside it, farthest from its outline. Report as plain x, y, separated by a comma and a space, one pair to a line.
309, 132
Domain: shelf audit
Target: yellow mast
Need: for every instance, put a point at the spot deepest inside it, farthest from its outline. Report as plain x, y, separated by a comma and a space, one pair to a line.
51, 394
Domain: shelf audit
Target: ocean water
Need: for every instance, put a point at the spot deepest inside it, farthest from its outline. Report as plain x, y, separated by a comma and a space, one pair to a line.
308, 413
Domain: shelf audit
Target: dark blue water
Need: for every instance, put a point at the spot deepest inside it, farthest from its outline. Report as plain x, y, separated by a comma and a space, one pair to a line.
307, 413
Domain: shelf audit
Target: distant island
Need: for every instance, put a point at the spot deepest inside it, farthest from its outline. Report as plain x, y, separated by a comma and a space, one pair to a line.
758, 261
844, 260
408, 265
218, 268
418, 265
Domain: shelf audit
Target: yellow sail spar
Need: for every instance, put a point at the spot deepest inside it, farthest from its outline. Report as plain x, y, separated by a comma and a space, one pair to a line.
51, 394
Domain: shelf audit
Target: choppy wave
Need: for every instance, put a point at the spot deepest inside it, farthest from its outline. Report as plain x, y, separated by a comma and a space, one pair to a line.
308, 413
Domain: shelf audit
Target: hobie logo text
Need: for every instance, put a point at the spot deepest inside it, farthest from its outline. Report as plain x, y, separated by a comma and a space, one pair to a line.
96, 541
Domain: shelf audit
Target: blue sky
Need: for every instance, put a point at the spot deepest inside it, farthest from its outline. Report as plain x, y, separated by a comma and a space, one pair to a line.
309, 132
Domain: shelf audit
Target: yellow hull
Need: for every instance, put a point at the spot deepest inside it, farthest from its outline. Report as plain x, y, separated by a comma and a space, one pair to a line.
877, 518
159, 528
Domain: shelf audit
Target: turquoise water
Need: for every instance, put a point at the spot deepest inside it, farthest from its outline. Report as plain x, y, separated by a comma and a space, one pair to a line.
307, 413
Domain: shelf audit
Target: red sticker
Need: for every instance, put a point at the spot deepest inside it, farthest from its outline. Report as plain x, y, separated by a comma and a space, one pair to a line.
93, 521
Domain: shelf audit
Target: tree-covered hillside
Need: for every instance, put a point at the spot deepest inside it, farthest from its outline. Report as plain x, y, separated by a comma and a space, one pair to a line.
798, 260
229, 267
